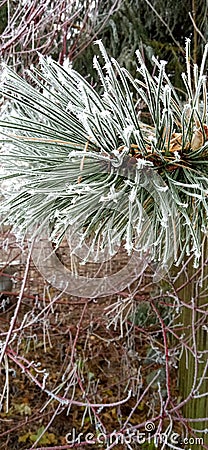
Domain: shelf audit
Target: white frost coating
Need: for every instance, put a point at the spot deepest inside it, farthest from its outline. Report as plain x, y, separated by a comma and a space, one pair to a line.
160, 188
164, 222
128, 131
112, 195
116, 153
132, 195
152, 138
163, 62
105, 113
128, 246
98, 42
4, 74
177, 156
141, 163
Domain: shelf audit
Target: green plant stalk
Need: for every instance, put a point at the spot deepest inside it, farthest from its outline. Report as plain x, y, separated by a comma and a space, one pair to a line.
195, 334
